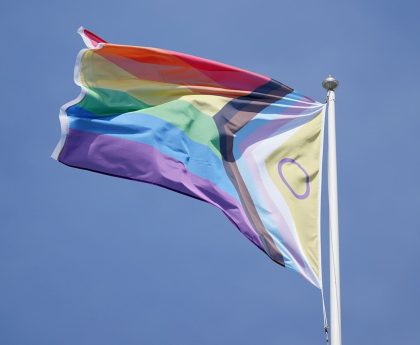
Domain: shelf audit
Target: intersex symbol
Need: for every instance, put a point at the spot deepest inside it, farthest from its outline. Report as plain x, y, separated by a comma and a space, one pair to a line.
280, 169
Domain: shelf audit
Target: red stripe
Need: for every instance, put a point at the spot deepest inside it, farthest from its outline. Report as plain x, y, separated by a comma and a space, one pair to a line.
177, 68
229, 76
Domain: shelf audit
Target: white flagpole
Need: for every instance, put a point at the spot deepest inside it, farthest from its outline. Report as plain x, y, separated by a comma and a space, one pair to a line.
330, 84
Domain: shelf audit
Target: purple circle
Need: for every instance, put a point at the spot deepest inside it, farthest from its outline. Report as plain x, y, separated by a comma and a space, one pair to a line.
292, 161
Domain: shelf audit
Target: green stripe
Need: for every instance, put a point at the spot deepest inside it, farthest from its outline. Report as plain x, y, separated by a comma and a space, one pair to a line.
197, 126
105, 102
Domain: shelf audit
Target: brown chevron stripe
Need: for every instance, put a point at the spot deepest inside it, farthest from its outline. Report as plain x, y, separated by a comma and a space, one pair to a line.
230, 119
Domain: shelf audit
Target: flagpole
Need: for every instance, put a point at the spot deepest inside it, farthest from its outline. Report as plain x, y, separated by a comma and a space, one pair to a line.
330, 84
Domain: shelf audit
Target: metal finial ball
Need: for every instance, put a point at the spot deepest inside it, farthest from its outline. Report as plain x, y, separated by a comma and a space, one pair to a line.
330, 83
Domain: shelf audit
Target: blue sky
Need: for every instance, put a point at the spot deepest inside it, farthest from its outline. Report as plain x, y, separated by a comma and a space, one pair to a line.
79, 258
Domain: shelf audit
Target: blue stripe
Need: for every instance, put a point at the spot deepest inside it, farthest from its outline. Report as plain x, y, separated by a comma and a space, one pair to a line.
272, 112
78, 111
199, 159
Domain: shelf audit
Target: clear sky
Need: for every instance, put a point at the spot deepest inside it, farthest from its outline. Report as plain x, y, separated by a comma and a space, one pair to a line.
89, 259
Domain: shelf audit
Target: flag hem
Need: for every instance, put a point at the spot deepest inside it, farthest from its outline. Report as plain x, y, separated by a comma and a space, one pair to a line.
64, 123
321, 159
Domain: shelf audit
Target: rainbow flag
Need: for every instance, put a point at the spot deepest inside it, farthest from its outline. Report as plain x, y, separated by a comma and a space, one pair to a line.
243, 142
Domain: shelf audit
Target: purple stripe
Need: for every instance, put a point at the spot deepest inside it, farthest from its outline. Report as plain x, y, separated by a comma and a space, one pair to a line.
132, 160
